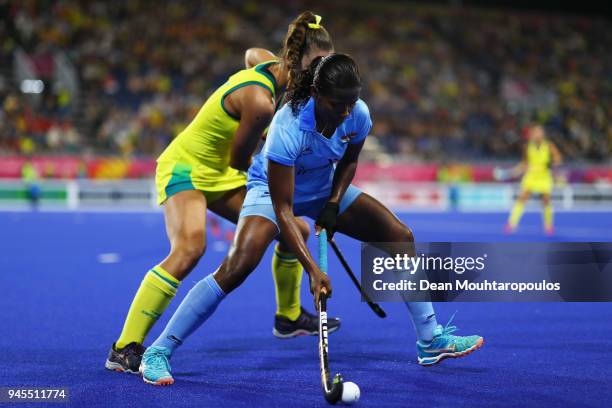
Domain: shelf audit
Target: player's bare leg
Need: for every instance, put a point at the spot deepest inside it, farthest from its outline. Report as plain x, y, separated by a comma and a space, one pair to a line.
185, 217
290, 319
253, 236
435, 342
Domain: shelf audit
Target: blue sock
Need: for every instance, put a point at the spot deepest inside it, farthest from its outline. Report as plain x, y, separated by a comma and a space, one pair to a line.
424, 319
201, 301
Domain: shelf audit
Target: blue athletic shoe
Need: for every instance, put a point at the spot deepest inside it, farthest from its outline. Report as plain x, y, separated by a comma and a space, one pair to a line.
155, 368
444, 345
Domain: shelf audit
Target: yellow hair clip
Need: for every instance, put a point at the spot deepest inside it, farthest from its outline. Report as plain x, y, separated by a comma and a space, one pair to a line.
315, 25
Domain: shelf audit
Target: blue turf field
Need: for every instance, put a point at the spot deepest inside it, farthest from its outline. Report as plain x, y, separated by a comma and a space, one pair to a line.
68, 280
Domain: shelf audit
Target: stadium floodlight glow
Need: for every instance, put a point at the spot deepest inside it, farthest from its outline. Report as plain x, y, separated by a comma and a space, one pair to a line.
32, 86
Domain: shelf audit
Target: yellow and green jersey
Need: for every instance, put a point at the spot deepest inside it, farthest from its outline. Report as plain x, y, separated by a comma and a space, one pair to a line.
208, 138
538, 158
198, 158
538, 177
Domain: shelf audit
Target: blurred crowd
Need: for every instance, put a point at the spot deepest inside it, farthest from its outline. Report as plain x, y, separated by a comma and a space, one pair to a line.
441, 82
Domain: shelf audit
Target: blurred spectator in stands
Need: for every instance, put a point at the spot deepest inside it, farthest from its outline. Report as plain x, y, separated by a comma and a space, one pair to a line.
441, 82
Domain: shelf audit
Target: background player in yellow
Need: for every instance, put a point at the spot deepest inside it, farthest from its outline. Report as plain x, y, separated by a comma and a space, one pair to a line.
204, 168
540, 154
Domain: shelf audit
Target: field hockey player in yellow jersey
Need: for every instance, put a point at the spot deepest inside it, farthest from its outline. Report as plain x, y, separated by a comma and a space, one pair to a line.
204, 168
539, 156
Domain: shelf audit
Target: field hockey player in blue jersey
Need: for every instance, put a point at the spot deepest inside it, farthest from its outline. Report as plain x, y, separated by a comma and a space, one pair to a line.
306, 168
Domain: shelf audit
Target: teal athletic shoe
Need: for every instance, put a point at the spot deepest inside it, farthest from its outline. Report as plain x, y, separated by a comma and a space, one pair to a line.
444, 345
155, 368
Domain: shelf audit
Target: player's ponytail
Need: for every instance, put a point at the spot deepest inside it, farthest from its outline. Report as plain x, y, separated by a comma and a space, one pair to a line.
305, 34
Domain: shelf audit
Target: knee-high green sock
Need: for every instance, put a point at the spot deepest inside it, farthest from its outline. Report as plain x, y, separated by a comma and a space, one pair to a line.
548, 216
155, 293
287, 272
516, 214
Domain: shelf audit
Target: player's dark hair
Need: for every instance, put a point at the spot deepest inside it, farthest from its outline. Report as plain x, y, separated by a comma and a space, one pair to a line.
336, 71
300, 40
